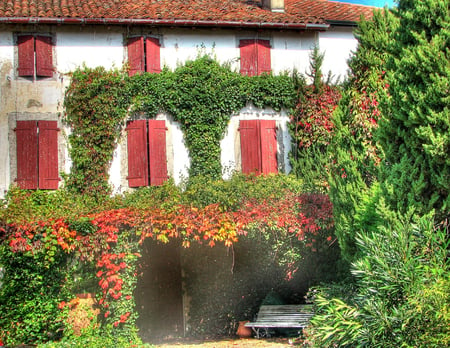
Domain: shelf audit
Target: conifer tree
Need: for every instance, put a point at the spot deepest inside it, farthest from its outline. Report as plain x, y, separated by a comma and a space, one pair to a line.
356, 155
415, 132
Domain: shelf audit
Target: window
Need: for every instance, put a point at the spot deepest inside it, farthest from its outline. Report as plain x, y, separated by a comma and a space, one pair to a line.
144, 55
255, 56
147, 160
258, 146
35, 56
37, 154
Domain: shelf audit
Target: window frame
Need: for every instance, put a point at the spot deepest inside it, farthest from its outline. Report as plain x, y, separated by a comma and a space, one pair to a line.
146, 152
255, 56
144, 54
35, 55
37, 152
259, 146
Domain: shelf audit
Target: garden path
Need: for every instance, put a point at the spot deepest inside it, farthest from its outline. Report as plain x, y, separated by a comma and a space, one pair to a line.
230, 343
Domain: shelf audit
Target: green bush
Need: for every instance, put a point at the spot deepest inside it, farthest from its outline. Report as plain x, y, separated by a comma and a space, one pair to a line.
415, 132
402, 293
94, 341
32, 289
230, 194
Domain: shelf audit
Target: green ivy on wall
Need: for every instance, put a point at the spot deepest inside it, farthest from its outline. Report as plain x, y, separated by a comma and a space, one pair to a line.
201, 95
95, 110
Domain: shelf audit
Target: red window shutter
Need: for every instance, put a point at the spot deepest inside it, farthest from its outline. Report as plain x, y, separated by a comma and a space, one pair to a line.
153, 55
250, 146
48, 155
249, 57
137, 153
264, 64
136, 54
25, 46
44, 56
268, 134
157, 151
27, 154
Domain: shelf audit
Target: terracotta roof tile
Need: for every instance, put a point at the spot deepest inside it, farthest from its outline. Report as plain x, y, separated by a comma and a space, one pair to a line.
296, 11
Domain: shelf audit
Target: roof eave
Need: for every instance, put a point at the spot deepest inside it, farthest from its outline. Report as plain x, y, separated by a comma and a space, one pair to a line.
163, 22
341, 23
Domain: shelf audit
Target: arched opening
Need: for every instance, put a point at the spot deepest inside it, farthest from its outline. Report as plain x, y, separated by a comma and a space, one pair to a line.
159, 298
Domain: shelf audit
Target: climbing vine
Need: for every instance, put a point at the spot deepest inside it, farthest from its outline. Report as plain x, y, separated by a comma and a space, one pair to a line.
201, 95
95, 109
110, 240
311, 126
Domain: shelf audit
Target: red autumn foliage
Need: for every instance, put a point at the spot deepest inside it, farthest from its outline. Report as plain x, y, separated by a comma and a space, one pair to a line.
303, 215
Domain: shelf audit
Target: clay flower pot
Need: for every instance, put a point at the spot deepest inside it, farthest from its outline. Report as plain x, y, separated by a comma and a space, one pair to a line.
243, 331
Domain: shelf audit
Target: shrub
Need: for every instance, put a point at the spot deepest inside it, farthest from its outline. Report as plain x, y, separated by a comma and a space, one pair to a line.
33, 286
401, 299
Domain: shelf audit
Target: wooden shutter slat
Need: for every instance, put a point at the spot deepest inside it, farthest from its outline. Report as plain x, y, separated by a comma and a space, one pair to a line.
48, 155
135, 50
268, 134
25, 47
153, 53
248, 53
157, 151
137, 153
27, 154
44, 56
250, 149
264, 63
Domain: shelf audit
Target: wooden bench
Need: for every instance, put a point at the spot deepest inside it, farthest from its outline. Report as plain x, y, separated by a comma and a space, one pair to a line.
280, 316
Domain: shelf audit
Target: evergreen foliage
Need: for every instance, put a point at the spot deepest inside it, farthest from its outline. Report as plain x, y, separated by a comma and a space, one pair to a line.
415, 133
355, 152
390, 186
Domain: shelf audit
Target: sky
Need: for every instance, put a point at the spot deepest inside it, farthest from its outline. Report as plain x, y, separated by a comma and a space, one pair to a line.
377, 3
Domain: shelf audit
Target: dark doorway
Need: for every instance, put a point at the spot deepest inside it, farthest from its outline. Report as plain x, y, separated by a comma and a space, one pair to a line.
159, 292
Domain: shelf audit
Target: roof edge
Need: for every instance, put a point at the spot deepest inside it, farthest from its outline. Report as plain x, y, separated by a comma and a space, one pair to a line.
342, 23
163, 22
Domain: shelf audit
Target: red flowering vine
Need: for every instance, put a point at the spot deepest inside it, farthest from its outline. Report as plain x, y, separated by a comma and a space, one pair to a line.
118, 234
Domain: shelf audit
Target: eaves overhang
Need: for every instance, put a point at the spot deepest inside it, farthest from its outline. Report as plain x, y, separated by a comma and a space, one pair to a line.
165, 22
342, 23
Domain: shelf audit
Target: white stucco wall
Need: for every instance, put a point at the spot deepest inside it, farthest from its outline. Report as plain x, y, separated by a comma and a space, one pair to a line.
92, 47
337, 44
104, 46
291, 51
181, 45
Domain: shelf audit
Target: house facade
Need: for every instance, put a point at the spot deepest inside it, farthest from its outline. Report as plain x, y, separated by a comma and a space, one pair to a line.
42, 42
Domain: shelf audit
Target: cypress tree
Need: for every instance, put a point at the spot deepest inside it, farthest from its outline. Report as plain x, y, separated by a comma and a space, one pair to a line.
415, 132
356, 155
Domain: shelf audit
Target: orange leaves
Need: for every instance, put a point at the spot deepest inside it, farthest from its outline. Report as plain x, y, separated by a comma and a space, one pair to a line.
299, 214
304, 214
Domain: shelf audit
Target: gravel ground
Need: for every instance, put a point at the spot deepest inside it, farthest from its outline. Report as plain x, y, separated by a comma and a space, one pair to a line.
228, 343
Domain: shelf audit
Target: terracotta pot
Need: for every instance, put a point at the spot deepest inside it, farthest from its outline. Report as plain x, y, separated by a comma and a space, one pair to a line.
243, 331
